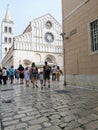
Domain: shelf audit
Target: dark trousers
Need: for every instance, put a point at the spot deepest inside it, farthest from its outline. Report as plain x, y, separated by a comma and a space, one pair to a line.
0, 79
4, 79
11, 78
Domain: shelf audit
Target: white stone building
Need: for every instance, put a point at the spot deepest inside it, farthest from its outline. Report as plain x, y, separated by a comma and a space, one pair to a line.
40, 41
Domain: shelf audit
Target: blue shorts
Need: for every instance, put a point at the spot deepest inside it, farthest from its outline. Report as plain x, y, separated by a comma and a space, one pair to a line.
33, 75
41, 81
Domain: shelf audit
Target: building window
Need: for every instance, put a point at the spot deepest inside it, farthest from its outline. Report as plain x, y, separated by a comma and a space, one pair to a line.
5, 29
94, 35
10, 30
5, 49
9, 40
5, 39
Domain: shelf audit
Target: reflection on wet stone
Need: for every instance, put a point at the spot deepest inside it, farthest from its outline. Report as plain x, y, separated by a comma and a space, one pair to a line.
55, 108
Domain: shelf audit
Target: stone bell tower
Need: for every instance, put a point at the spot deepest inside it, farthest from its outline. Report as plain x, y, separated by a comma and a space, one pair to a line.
6, 33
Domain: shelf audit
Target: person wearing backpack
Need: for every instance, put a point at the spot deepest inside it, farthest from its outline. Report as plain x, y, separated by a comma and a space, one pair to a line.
21, 73
46, 72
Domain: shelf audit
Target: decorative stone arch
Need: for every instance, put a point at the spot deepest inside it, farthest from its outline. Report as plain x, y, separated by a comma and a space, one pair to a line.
50, 59
26, 62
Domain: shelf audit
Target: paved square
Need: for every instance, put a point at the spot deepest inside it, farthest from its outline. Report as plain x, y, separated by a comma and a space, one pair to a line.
56, 108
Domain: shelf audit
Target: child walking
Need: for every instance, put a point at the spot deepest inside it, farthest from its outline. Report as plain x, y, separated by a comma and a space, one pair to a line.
27, 76
41, 78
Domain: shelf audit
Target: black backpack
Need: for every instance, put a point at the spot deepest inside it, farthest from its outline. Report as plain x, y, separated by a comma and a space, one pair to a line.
47, 69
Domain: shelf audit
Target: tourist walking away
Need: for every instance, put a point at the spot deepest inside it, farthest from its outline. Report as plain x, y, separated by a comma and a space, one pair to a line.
27, 76
34, 75
58, 73
16, 74
46, 72
4, 75
21, 73
7, 74
41, 78
11, 74
53, 73
0, 75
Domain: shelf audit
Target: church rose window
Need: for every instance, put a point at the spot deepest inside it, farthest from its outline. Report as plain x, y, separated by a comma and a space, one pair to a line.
49, 37
48, 24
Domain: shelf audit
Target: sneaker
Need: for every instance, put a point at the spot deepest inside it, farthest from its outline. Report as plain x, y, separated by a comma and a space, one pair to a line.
41, 87
36, 86
21, 82
48, 86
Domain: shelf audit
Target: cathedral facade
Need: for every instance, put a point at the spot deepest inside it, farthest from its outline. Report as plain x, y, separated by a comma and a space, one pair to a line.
39, 42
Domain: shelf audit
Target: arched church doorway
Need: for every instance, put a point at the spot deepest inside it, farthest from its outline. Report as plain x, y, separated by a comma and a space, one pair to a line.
27, 62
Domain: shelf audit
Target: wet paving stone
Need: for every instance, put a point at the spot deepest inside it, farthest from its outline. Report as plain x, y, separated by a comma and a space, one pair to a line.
63, 91
56, 108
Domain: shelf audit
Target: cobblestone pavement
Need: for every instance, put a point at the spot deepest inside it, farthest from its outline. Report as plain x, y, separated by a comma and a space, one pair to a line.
56, 108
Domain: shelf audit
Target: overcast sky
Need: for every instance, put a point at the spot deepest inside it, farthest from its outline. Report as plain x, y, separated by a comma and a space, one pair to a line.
23, 11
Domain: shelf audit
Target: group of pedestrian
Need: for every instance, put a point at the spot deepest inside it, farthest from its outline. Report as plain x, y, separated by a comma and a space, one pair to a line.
6, 74
33, 75
56, 72
30, 74
44, 75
